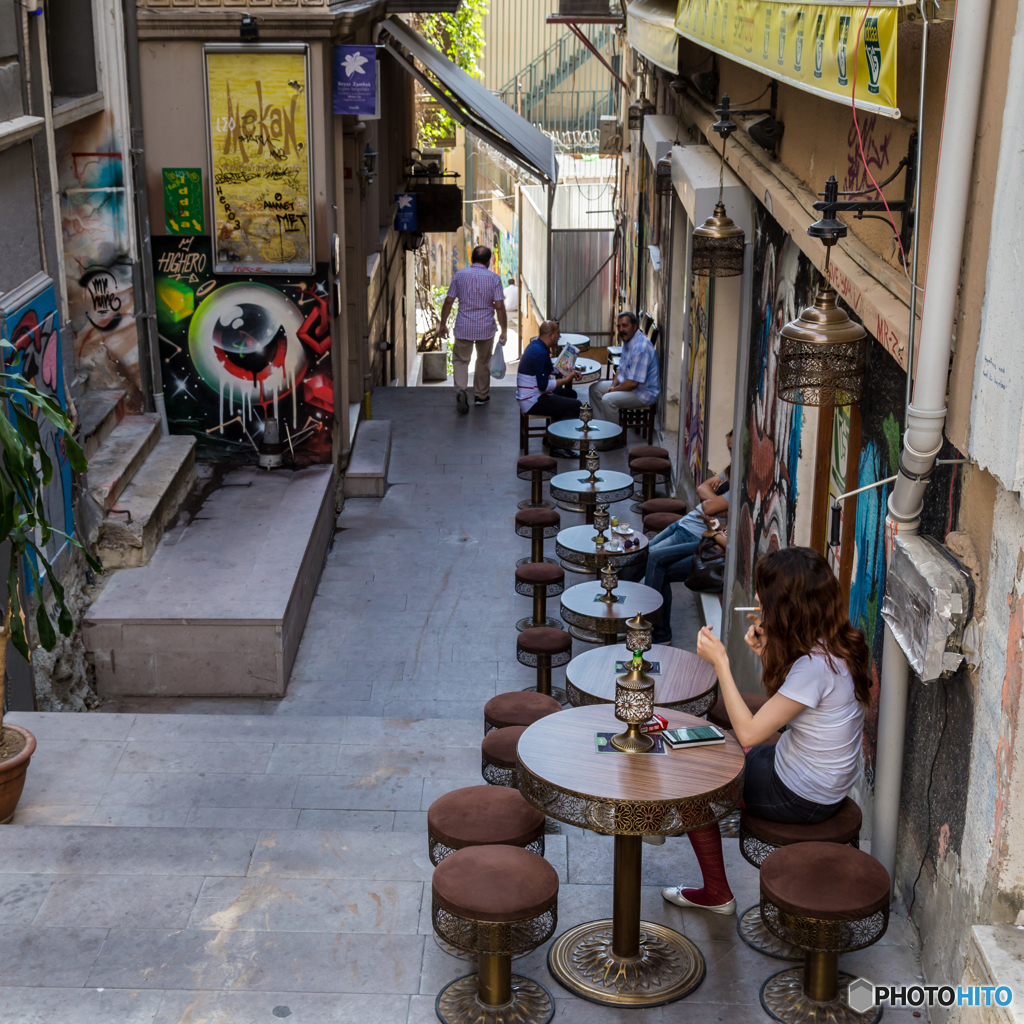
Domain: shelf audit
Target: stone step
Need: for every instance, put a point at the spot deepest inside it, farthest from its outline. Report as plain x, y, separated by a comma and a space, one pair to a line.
98, 413
118, 458
220, 608
367, 472
135, 523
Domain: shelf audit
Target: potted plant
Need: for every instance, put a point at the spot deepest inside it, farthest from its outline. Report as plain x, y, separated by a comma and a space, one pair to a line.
25, 470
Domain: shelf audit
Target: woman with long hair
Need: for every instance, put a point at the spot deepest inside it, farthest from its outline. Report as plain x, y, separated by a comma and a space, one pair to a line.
817, 674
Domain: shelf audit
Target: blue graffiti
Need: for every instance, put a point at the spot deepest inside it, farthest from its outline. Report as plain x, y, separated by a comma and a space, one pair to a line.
868, 582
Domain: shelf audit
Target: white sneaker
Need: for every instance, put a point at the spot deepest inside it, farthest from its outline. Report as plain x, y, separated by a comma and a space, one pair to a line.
675, 895
653, 840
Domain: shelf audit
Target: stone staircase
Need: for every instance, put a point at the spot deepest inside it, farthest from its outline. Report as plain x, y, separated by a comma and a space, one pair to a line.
137, 479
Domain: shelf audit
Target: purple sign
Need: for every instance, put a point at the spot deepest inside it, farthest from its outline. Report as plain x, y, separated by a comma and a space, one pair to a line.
355, 80
405, 216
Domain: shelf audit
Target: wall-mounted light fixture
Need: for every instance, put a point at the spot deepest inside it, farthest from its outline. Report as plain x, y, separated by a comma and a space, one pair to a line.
249, 30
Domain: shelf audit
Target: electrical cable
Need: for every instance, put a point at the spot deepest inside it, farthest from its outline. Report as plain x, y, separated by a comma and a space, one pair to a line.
743, 103
860, 147
928, 796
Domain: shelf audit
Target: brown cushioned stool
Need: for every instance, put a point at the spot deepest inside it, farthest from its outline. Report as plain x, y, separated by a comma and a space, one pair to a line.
673, 505
519, 707
482, 816
494, 902
720, 717
650, 472
658, 521
539, 580
537, 523
647, 451
544, 648
537, 469
760, 837
498, 764
825, 899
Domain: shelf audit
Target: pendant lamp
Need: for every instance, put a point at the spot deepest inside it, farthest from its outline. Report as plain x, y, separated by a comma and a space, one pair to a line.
718, 242
663, 176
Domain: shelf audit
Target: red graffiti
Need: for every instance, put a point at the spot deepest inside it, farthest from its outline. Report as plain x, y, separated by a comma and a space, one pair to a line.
876, 152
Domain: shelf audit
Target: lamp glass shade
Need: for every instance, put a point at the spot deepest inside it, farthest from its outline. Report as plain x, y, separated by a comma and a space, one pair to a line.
718, 246
637, 111
663, 176
821, 355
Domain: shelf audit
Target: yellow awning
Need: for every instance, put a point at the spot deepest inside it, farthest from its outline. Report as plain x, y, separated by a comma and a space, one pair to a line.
813, 47
650, 29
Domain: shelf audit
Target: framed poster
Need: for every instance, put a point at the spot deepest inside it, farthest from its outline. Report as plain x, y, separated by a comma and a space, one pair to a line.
259, 141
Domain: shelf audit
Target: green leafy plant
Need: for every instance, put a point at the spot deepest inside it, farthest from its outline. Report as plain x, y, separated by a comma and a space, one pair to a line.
25, 470
460, 37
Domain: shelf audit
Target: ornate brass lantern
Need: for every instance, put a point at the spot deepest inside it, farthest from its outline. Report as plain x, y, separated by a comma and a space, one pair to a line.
637, 111
718, 242
634, 691
663, 176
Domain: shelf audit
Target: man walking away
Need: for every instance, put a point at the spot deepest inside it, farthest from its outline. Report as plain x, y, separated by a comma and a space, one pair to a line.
480, 296
539, 391
638, 381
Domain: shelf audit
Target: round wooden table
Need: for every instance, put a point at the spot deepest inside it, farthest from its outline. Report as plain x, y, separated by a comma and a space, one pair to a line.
591, 370
576, 548
594, 620
577, 436
683, 681
581, 342
577, 491
623, 961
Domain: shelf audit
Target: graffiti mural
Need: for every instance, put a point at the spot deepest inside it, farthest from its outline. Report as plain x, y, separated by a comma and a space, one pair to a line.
237, 350
701, 304
782, 285
33, 331
97, 258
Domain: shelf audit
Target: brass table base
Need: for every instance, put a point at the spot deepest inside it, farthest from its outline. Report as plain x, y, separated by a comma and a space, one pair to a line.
783, 999
459, 1003
589, 637
752, 931
568, 506
528, 623
582, 570
669, 966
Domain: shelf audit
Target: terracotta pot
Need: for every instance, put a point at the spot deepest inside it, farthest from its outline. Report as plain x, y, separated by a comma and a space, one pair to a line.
12, 775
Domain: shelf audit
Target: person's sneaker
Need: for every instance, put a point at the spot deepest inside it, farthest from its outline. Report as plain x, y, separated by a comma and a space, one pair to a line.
653, 840
563, 453
675, 895
481, 401
462, 402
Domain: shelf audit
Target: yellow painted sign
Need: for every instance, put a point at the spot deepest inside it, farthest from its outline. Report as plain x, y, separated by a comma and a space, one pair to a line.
809, 46
259, 150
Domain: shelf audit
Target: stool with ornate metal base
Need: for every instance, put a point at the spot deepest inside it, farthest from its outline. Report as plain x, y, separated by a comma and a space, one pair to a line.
825, 899
537, 524
673, 505
544, 649
519, 707
646, 451
760, 837
482, 816
658, 521
537, 469
498, 756
494, 902
539, 580
650, 471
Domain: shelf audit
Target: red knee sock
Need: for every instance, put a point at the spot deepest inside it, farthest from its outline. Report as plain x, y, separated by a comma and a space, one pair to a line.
707, 845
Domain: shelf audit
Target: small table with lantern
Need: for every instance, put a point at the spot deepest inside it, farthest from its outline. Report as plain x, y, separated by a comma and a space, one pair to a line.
583, 490
596, 617
590, 369
584, 551
584, 435
568, 771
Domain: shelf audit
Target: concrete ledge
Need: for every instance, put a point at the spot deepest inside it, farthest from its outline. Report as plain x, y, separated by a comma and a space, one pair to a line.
367, 472
995, 957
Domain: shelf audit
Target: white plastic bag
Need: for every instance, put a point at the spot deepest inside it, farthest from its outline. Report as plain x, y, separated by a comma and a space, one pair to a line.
498, 362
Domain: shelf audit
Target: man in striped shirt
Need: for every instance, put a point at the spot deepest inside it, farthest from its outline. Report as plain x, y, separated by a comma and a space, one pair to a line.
638, 381
539, 391
480, 295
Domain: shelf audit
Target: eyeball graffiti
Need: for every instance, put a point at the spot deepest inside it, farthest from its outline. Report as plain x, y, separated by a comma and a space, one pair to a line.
244, 343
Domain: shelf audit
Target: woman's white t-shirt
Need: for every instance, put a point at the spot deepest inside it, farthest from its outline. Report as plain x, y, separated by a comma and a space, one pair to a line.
817, 755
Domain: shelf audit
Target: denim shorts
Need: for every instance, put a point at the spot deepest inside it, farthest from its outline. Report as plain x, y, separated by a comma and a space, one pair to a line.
766, 796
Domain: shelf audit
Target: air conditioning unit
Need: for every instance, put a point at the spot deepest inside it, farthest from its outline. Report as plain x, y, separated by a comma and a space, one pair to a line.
609, 136
584, 8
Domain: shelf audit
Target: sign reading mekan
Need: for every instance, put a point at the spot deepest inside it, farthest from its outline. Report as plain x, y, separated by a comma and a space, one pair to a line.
355, 80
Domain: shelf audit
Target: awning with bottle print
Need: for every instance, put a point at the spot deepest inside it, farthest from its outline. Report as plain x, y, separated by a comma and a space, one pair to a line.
650, 29
826, 49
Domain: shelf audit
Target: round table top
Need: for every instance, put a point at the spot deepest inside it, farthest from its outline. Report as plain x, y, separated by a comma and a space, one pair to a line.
562, 773
590, 369
580, 341
581, 605
683, 677
580, 539
600, 435
575, 486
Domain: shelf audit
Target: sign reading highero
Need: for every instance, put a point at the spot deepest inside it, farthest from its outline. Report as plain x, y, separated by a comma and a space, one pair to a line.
260, 160
813, 47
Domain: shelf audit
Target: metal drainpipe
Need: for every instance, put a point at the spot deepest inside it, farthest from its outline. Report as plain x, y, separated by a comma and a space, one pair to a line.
926, 414
147, 293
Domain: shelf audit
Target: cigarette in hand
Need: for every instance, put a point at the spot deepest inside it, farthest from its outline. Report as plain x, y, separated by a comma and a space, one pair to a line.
746, 609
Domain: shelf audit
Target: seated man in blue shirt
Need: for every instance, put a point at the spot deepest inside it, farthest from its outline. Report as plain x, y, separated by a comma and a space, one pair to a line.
538, 391
638, 382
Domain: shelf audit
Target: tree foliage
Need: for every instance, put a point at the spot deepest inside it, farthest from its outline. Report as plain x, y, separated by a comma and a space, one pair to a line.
460, 37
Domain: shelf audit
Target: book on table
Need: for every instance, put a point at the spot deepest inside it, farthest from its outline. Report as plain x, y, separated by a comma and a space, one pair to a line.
566, 360
695, 736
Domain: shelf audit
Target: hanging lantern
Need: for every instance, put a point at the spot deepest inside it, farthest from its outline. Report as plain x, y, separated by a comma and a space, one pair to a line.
718, 246
637, 111
821, 355
663, 176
